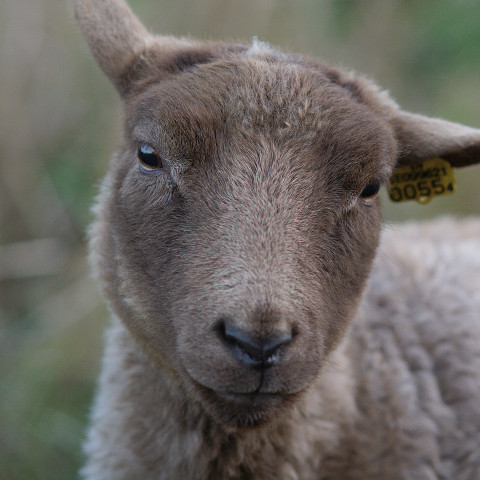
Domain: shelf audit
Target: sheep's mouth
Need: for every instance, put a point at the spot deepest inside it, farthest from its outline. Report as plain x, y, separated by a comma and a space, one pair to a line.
252, 399
244, 410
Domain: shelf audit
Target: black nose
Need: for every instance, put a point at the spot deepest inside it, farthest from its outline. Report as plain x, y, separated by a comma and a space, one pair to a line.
251, 350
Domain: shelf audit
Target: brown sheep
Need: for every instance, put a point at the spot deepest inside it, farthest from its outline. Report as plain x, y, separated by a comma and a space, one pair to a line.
253, 334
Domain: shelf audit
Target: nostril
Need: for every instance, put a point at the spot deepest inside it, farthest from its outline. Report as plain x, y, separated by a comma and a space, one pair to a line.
270, 347
250, 349
245, 342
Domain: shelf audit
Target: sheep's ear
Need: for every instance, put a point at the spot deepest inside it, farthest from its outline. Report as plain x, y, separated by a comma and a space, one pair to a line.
118, 40
422, 138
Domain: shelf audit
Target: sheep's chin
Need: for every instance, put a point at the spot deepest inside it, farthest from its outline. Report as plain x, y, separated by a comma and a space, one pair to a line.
244, 410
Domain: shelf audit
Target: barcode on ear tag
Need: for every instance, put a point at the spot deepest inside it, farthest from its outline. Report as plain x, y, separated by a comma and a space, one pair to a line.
423, 181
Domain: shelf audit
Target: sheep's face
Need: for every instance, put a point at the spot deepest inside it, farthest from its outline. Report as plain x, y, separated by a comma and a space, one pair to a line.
237, 227
241, 225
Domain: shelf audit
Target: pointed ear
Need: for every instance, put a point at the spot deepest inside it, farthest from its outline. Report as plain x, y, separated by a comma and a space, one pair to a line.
421, 138
118, 40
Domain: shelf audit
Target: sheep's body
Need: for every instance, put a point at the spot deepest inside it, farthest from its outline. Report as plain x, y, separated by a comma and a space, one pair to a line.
399, 399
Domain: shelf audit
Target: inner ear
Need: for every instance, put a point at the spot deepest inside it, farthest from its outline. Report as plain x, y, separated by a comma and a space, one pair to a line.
421, 138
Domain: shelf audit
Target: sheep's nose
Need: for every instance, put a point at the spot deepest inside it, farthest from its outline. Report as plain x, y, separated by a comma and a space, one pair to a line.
251, 350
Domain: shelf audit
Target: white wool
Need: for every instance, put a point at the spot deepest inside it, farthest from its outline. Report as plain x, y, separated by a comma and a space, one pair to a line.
260, 48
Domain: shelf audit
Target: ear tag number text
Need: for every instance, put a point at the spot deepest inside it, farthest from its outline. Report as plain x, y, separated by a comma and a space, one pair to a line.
422, 182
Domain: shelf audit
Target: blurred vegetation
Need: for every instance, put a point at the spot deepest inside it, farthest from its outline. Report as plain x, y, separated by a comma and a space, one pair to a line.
60, 120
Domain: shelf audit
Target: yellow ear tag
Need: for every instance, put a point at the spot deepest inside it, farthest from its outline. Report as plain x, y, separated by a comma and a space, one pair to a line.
423, 181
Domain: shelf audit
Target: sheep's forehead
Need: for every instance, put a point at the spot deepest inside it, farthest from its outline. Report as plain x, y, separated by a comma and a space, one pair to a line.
255, 89
257, 97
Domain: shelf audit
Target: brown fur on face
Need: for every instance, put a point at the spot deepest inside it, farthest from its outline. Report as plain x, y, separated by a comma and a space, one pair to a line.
263, 226
255, 217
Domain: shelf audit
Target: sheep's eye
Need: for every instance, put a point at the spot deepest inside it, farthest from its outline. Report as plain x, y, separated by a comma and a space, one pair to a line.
370, 193
148, 158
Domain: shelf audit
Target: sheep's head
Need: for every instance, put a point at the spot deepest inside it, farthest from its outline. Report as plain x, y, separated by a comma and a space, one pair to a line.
238, 224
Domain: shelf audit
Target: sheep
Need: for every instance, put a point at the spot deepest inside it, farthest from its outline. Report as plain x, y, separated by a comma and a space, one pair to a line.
257, 330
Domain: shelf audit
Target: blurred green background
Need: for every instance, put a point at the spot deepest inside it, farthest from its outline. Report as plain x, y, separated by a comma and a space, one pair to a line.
60, 121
